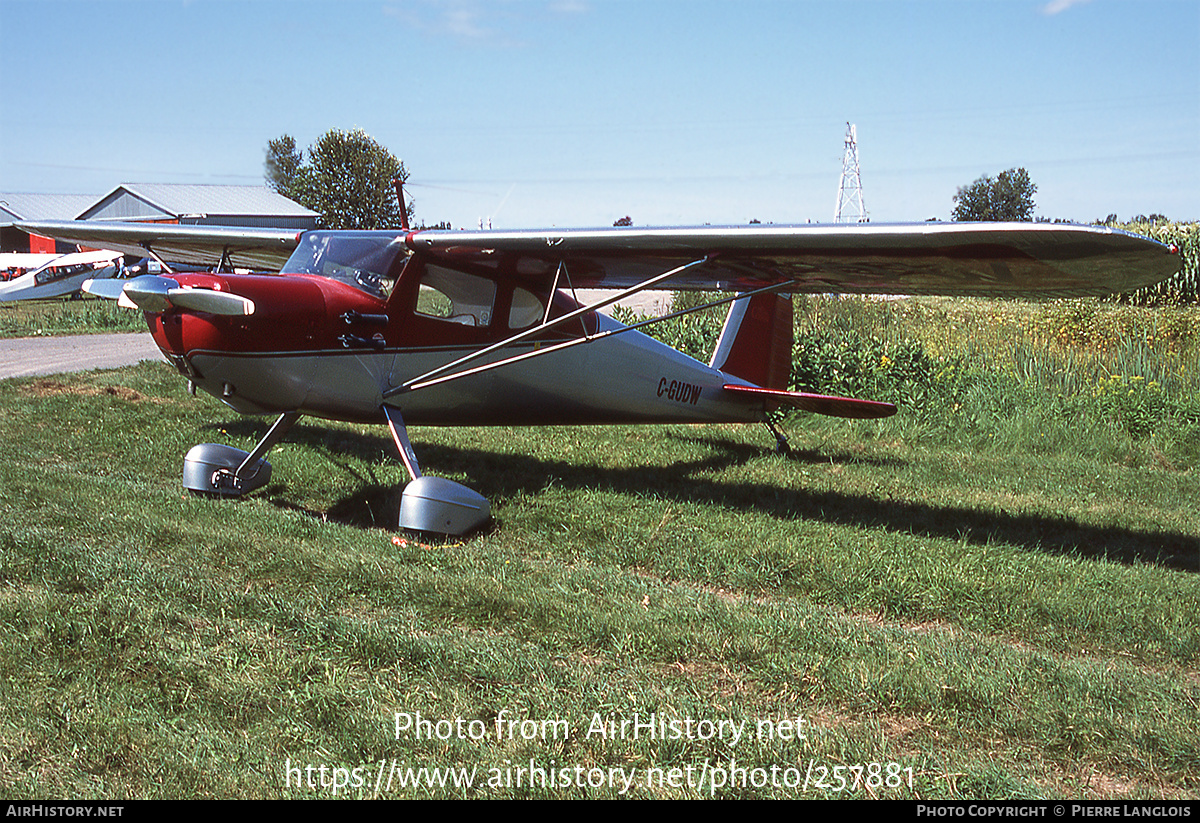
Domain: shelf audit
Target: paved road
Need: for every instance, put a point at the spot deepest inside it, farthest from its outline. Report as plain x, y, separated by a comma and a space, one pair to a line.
24, 356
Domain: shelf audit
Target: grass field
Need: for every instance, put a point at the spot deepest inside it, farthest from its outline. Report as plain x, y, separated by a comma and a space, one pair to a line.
993, 595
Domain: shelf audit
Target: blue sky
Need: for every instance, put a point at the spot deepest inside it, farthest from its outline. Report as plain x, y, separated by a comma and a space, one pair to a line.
577, 112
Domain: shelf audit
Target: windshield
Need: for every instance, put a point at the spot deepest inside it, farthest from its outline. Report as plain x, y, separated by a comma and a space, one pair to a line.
363, 260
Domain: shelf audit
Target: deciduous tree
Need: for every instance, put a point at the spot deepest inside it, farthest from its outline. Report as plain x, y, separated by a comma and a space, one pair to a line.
1007, 198
285, 167
348, 179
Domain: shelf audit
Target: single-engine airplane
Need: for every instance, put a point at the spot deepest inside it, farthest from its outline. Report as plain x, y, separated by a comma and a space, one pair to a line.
60, 276
466, 328
16, 263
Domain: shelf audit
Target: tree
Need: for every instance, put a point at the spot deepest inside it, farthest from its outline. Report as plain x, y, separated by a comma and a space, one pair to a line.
348, 179
1007, 198
285, 167
624, 221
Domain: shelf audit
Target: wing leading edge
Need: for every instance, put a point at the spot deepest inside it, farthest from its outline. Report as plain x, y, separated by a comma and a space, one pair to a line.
980, 259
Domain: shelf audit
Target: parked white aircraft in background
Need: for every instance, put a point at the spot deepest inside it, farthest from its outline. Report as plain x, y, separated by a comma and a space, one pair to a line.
15, 263
61, 275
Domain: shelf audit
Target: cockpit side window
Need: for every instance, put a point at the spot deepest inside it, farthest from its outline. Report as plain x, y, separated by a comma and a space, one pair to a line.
456, 296
364, 260
526, 309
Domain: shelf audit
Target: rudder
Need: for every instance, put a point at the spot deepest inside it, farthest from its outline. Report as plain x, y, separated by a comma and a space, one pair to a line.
756, 341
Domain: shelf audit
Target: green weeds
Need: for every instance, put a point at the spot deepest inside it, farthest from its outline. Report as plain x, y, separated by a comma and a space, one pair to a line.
1090, 375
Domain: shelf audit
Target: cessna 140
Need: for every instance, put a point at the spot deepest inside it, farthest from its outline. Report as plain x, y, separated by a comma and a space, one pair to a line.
482, 327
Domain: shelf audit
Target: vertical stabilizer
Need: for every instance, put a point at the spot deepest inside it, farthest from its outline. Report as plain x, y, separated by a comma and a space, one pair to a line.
756, 341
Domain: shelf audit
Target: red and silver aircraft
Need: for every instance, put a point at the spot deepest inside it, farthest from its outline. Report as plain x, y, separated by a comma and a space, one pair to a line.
480, 328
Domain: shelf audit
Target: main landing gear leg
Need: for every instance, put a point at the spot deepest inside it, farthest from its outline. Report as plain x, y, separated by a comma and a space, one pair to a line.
214, 468
433, 504
781, 443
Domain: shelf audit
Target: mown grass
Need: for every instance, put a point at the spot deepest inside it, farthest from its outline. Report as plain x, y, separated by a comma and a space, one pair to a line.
1003, 606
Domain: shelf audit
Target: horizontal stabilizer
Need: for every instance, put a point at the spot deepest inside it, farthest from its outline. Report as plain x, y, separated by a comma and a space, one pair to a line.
819, 403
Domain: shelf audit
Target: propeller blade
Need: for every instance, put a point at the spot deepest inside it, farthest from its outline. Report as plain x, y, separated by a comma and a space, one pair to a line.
149, 292
107, 288
153, 293
213, 302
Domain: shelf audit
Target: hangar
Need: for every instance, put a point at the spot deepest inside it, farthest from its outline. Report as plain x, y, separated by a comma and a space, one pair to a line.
17, 207
201, 205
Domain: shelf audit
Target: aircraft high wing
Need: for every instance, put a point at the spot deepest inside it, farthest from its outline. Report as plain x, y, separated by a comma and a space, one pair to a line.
483, 328
968, 259
204, 246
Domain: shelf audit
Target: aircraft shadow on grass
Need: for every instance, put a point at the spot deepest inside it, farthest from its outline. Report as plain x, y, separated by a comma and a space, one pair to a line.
504, 475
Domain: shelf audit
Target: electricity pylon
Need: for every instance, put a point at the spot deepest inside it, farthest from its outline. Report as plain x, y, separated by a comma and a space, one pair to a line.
850, 208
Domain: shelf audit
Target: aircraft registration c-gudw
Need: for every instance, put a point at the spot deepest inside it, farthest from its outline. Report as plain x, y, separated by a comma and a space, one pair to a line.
482, 328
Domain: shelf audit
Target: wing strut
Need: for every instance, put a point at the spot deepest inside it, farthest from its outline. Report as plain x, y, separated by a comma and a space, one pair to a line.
562, 269
152, 253
426, 379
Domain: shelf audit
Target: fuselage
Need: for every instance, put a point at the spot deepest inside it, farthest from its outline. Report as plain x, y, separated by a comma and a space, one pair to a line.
340, 339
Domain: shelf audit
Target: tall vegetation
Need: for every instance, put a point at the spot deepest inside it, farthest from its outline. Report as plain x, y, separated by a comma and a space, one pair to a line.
1182, 289
1000, 374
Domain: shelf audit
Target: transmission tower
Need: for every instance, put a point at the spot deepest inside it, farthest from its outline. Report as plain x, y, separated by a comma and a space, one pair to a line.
850, 208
